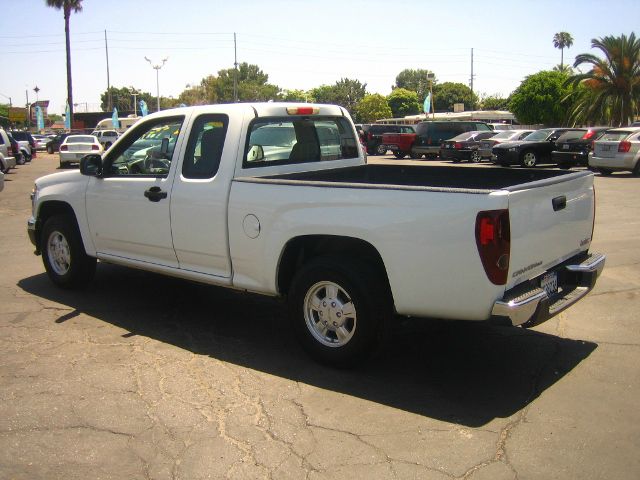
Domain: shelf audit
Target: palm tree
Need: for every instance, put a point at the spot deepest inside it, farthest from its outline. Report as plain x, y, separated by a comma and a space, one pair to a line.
562, 40
610, 91
67, 6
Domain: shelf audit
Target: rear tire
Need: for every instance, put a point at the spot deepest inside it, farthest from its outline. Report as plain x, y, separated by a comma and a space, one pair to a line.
398, 154
636, 169
475, 157
49, 149
63, 253
339, 307
415, 155
381, 149
605, 172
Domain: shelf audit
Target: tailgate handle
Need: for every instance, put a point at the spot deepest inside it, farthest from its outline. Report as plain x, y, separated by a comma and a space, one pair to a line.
559, 203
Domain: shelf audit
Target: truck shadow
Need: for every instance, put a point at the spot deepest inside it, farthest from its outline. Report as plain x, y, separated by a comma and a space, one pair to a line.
457, 372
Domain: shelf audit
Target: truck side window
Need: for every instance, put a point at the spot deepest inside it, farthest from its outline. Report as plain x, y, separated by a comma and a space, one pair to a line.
278, 141
148, 152
204, 148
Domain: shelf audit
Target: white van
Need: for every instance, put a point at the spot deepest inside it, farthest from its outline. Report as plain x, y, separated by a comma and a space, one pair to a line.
125, 124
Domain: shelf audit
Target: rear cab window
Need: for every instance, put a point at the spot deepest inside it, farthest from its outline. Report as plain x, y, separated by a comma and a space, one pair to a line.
287, 140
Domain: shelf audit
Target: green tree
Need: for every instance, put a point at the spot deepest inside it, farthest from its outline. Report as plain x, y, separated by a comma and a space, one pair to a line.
562, 40
494, 102
122, 99
403, 102
296, 96
252, 85
346, 92
541, 98
371, 108
611, 89
67, 6
448, 93
414, 80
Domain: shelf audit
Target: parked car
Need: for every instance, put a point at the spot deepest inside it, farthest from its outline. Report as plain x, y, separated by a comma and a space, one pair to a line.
431, 134
75, 147
464, 146
484, 149
617, 150
401, 143
106, 137
53, 145
17, 151
534, 149
373, 136
7, 159
500, 126
41, 142
572, 148
1, 181
27, 143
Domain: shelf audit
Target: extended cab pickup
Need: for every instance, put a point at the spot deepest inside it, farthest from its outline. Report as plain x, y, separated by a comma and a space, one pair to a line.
278, 199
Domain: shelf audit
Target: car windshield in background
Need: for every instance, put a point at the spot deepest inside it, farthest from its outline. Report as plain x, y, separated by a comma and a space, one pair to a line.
572, 135
504, 134
538, 135
80, 139
615, 136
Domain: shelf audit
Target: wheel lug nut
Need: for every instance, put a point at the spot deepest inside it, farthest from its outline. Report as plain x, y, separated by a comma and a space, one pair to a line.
338, 314
335, 324
333, 304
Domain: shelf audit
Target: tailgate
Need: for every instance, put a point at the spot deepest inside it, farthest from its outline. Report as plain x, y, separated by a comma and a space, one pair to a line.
606, 149
551, 221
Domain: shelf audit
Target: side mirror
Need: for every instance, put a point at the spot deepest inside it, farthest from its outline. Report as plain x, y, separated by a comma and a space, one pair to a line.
255, 153
91, 165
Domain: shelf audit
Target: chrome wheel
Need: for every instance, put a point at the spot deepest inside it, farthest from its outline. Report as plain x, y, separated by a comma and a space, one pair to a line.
59, 253
381, 149
330, 314
475, 157
529, 159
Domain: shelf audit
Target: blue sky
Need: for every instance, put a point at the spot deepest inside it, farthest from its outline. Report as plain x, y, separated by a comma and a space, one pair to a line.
299, 44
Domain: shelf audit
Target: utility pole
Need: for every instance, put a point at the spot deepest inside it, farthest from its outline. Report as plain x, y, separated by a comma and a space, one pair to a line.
135, 103
235, 69
109, 98
157, 69
471, 81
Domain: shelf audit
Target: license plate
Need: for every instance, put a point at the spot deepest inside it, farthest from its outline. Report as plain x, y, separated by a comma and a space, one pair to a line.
565, 147
606, 148
549, 283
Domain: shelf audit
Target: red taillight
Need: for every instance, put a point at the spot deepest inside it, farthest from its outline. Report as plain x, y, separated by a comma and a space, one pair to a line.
457, 145
588, 135
493, 239
64, 148
95, 147
303, 110
624, 146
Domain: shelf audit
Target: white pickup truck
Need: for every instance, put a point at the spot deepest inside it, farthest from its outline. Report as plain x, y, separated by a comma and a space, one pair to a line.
279, 199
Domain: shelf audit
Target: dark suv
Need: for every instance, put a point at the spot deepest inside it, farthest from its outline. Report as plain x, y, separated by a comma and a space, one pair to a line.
431, 135
372, 136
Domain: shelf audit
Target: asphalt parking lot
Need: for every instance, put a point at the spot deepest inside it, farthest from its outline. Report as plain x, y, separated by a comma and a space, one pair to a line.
145, 377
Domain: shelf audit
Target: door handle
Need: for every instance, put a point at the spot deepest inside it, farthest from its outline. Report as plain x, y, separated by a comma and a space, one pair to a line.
559, 203
155, 194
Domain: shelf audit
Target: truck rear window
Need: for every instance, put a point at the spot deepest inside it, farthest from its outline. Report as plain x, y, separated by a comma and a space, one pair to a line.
274, 141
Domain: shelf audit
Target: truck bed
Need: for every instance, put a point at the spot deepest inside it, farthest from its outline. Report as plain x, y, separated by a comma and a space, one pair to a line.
416, 177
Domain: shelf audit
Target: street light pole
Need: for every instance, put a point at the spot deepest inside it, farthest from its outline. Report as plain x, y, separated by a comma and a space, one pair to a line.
157, 68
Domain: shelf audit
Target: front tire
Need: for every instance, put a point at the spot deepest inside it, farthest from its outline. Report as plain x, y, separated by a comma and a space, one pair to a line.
529, 159
63, 253
338, 308
415, 155
475, 157
399, 155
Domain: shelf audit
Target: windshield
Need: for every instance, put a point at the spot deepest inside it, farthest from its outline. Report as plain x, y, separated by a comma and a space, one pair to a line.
572, 135
615, 136
538, 135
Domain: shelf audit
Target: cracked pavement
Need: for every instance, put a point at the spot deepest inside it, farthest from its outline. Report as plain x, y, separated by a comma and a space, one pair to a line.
145, 377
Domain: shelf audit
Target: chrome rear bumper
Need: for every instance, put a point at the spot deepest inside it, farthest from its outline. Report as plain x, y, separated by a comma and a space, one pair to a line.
530, 305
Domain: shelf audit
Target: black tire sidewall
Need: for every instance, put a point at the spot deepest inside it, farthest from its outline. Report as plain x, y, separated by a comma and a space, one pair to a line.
362, 285
82, 266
